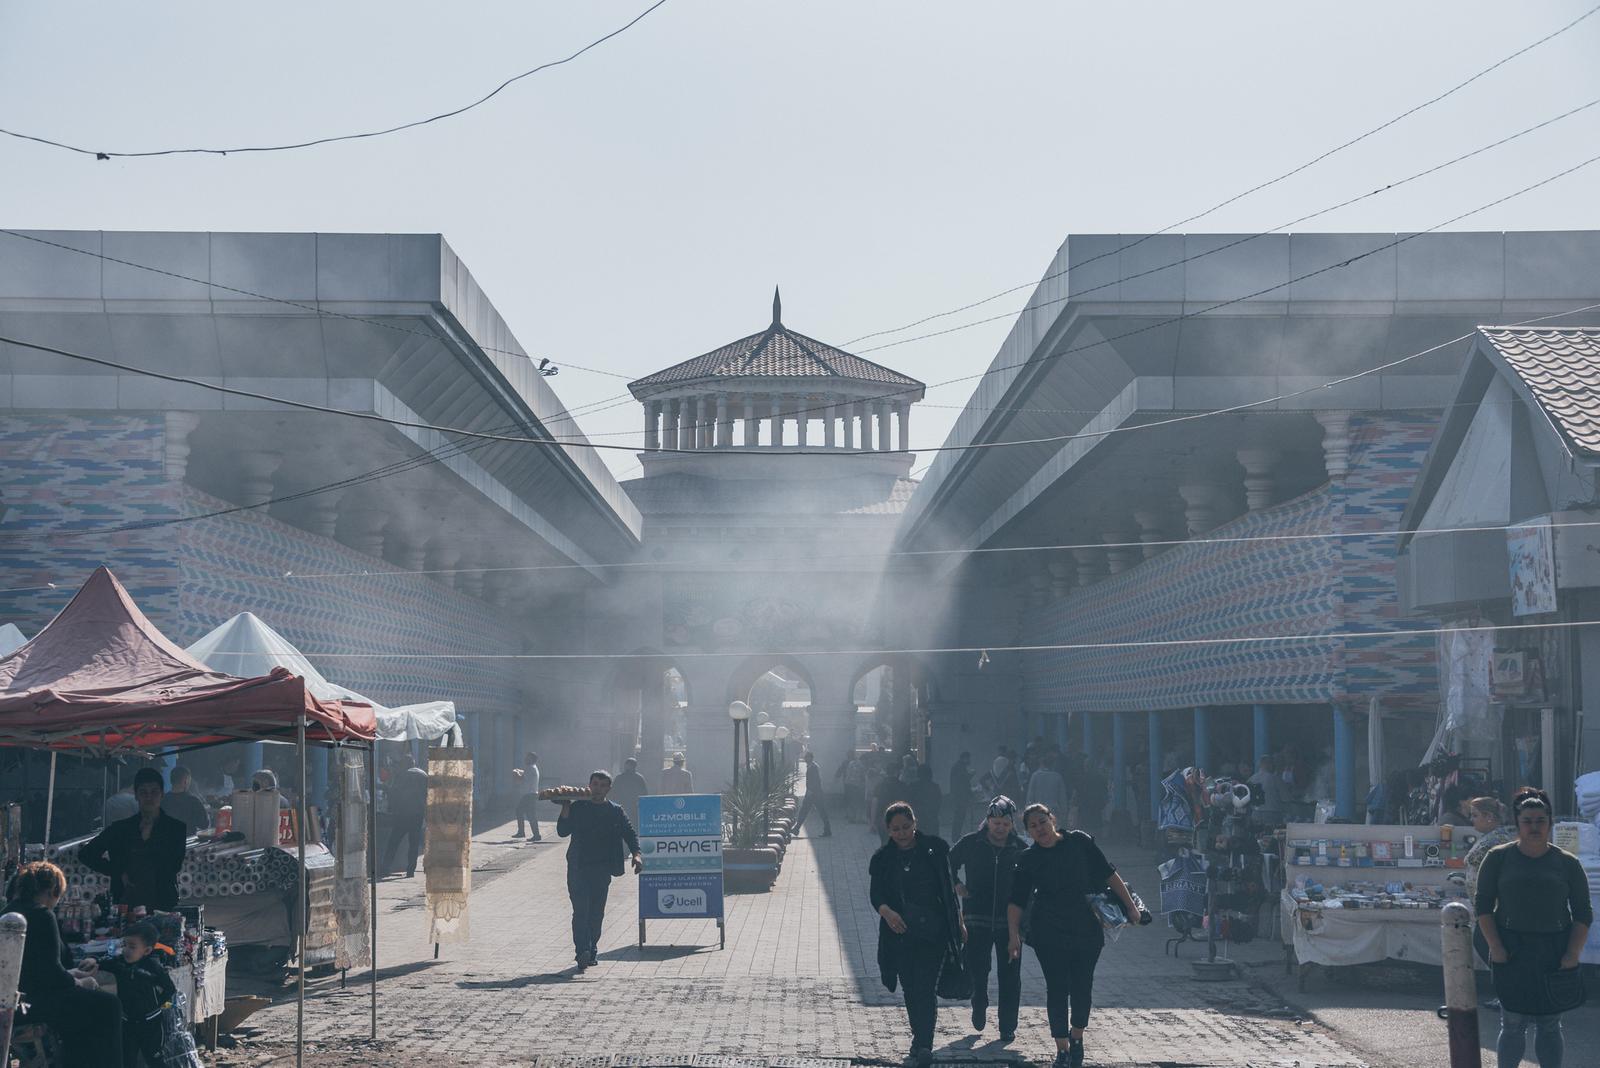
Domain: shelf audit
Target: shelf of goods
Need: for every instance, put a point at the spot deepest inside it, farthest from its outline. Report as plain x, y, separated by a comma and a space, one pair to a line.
1357, 894
248, 891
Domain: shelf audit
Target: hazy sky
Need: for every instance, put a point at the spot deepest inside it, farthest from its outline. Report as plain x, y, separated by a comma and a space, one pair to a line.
882, 161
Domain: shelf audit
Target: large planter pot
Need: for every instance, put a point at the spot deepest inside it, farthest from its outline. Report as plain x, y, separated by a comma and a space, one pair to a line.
749, 871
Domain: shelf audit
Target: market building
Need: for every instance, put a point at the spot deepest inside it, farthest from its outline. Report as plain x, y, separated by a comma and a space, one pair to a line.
1207, 588
377, 546
1501, 533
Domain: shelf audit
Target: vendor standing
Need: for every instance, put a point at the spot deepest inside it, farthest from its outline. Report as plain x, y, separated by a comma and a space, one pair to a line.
143, 853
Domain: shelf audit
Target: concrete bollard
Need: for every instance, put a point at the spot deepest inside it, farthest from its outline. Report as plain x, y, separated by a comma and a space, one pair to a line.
1460, 986
13, 933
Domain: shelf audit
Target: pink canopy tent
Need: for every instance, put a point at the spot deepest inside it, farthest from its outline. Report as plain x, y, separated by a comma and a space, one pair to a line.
102, 677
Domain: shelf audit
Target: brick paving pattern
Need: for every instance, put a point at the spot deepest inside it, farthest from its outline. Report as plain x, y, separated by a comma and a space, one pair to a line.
796, 986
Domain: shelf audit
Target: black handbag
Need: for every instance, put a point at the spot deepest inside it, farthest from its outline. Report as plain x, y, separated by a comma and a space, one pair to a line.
954, 983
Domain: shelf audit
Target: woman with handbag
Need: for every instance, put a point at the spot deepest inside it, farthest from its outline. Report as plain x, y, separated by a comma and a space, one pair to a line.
1534, 912
919, 929
1050, 909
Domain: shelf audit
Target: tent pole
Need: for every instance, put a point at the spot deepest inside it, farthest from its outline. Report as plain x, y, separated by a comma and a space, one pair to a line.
305, 911
50, 802
372, 870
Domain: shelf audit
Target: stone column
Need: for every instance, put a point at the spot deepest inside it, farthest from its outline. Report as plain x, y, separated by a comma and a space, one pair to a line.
1150, 531
1060, 577
847, 425
361, 528
175, 461
652, 423
685, 423
776, 425
469, 580
702, 420
1335, 443
1120, 554
402, 551
320, 513
882, 412
1203, 503
724, 428
903, 411
864, 427
1260, 488
1091, 565
256, 468
802, 433
827, 421
752, 429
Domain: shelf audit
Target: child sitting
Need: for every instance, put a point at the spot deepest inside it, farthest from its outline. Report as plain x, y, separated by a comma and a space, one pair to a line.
145, 990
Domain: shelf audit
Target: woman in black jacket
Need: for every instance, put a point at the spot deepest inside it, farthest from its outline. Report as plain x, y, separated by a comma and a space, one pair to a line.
983, 864
916, 904
1050, 893
1534, 912
88, 1019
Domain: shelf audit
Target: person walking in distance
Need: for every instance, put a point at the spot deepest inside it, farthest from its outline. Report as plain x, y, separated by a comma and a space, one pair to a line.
408, 806
629, 787
1534, 911
528, 803
1049, 897
677, 779
912, 892
959, 797
1046, 786
815, 800
602, 835
983, 864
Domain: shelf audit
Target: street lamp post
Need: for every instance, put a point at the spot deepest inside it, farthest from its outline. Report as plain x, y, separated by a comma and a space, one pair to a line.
783, 748
739, 712
766, 732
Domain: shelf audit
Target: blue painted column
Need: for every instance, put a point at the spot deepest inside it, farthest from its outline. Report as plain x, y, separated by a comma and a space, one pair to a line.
1119, 760
1263, 745
1202, 738
317, 760
254, 761
1062, 722
518, 742
1088, 734
1155, 765
1344, 766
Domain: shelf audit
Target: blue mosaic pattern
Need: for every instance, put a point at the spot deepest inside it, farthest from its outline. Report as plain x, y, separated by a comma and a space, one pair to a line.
1315, 586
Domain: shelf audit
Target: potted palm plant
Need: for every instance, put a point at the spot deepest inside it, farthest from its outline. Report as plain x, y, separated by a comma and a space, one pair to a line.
752, 833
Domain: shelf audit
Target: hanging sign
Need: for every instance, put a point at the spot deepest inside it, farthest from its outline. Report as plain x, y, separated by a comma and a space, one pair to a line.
1530, 552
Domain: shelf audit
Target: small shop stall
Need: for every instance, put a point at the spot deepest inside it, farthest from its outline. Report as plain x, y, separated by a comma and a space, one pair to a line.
102, 679
1362, 893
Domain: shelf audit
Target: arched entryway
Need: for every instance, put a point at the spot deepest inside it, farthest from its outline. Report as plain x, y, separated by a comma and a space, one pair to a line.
649, 701
891, 696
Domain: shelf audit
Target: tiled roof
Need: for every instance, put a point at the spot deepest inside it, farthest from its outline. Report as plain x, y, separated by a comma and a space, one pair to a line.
1560, 366
776, 352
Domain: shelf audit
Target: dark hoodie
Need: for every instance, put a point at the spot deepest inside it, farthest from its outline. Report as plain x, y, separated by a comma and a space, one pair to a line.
884, 889
989, 870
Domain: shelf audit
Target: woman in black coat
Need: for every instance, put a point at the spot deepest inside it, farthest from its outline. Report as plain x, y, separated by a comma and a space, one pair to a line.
915, 899
88, 1019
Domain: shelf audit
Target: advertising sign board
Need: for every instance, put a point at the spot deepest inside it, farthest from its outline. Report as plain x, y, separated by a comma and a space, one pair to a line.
680, 841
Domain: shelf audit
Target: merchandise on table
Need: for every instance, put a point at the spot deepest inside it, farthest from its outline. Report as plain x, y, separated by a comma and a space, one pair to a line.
1313, 896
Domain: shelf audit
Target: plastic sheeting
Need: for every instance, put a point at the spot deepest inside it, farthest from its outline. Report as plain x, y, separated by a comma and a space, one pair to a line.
245, 645
11, 639
447, 863
351, 897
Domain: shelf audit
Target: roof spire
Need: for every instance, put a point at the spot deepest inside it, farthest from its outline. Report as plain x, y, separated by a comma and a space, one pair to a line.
777, 307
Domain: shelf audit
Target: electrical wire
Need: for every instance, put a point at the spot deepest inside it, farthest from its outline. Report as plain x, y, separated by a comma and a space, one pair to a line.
107, 154
618, 400
1241, 195
971, 446
1153, 643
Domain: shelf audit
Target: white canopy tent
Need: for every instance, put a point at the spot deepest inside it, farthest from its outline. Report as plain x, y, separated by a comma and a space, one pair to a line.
11, 639
244, 645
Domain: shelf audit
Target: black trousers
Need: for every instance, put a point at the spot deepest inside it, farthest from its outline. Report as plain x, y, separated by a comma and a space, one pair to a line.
810, 804
993, 943
528, 811
1068, 968
411, 831
588, 885
89, 1023
141, 1037
917, 960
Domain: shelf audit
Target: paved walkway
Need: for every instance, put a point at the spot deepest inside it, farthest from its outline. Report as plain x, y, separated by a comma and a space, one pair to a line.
798, 979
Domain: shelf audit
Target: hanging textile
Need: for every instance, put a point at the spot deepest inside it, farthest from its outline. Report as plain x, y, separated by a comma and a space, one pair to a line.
350, 886
447, 861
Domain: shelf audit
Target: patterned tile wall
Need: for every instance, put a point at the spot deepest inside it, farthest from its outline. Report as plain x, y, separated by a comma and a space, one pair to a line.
1275, 588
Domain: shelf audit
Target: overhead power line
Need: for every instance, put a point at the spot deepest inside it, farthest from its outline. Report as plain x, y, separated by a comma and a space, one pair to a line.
1235, 198
106, 154
1060, 647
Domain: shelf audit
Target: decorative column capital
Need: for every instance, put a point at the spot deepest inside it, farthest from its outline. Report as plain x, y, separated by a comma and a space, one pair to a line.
256, 468
1091, 565
1120, 554
1335, 442
1260, 488
1204, 502
179, 425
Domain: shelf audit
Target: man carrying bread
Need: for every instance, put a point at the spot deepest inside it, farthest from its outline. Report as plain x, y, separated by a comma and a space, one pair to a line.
602, 835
